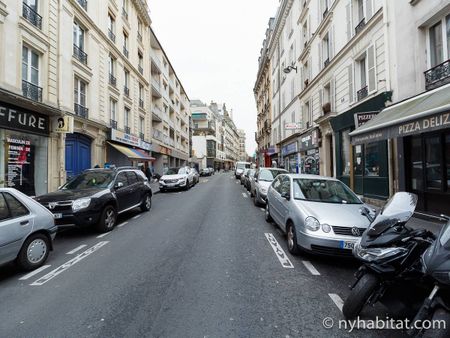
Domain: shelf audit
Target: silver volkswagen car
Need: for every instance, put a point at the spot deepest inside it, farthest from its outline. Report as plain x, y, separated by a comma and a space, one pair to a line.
27, 230
318, 214
261, 182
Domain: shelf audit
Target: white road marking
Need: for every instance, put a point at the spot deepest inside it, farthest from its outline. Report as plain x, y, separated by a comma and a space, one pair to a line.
103, 235
237, 182
60, 269
122, 224
248, 194
337, 300
311, 268
35, 272
245, 196
262, 209
136, 217
78, 248
281, 255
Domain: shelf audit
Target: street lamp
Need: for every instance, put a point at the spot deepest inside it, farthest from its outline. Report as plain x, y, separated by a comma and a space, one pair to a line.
288, 69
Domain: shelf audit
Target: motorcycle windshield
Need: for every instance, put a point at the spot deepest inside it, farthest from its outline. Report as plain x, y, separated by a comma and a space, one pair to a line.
398, 209
444, 238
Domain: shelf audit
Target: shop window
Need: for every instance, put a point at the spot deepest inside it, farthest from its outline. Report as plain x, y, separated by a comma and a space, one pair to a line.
372, 159
433, 162
416, 164
447, 156
345, 152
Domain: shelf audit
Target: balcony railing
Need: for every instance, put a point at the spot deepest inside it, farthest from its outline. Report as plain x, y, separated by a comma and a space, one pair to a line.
31, 91
112, 80
141, 103
326, 62
113, 124
141, 136
362, 93
80, 110
360, 26
125, 13
83, 3
111, 35
79, 54
139, 35
126, 91
325, 12
438, 75
125, 51
127, 130
141, 70
31, 16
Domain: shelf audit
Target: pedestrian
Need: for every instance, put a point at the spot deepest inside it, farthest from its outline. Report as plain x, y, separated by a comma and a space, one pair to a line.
148, 173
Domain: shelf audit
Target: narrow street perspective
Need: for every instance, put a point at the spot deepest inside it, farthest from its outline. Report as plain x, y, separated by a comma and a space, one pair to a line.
276, 168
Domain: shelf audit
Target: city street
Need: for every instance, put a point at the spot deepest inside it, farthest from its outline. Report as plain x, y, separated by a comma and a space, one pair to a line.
198, 264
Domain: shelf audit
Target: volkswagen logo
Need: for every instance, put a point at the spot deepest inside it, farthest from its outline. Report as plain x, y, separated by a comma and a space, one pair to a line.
52, 205
356, 232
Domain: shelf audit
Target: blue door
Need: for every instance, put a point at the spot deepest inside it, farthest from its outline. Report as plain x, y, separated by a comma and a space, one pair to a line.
78, 154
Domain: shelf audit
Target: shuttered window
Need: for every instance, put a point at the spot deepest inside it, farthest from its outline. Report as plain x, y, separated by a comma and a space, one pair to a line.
371, 64
351, 97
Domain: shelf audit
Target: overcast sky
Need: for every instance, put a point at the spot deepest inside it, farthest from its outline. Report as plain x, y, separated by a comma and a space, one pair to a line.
214, 47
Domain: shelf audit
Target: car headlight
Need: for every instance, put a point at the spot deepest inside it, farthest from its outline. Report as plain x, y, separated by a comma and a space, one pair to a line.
372, 254
312, 223
81, 203
326, 228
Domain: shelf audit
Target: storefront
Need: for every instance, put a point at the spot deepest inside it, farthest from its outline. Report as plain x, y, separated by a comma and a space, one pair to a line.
309, 152
24, 143
421, 128
289, 153
128, 150
271, 156
364, 167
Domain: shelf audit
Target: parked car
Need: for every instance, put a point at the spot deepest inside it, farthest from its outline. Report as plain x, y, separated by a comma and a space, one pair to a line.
242, 177
318, 214
27, 230
96, 196
240, 166
262, 179
176, 178
196, 175
211, 170
248, 177
205, 172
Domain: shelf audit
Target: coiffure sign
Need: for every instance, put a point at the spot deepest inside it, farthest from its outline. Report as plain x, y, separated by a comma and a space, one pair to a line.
24, 120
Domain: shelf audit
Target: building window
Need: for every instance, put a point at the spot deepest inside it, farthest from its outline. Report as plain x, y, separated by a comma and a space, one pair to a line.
111, 28
79, 97
139, 33
125, 9
305, 33
126, 121
30, 74
78, 43
372, 159
112, 113
125, 44
439, 72
141, 63
126, 85
326, 49
112, 71
30, 12
141, 96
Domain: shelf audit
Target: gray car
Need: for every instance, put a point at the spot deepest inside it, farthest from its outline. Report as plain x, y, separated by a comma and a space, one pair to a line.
27, 230
318, 214
261, 182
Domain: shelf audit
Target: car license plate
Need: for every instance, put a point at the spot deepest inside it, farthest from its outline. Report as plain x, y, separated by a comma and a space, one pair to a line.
347, 245
170, 184
57, 216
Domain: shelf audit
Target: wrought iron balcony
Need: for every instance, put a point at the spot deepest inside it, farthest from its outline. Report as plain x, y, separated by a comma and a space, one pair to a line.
362, 93
126, 91
112, 80
80, 110
124, 13
32, 16
127, 130
125, 51
141, 103
141, 136
83, 3
141, 70
79, 54
113, 124
360, 26
31, 91
139, 35
438, 75
111, 35
326, 62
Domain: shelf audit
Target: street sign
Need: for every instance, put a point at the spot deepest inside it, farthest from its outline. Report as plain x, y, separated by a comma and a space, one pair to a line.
293, 126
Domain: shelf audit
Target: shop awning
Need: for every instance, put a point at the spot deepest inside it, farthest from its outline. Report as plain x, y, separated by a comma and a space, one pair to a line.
423, 113
132, 153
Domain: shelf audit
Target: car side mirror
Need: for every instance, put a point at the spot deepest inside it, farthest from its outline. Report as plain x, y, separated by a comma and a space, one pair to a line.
286, 195
118, 185
366, 212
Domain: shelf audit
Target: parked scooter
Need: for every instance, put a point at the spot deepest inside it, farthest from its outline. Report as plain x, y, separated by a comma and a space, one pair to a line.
390, 252
436, 307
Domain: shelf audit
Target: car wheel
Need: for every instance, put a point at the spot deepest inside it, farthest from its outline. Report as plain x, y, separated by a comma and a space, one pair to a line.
268, 218
34, 252
107, 219
359, 296
256, 199
291, 236
147, 203
162, 190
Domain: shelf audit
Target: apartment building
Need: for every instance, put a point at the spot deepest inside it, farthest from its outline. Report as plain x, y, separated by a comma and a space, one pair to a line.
242, 152
170, 112
73, 89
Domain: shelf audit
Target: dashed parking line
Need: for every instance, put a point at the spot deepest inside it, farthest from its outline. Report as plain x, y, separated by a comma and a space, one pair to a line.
60, 269
34, 272
237, 182
122, 224
245, 196
136, 217
262, 209
337, 300
311, 268
103, 235
78, 248
279, 252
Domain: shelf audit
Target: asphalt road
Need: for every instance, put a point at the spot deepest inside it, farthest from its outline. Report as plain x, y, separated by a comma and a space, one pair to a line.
199, 264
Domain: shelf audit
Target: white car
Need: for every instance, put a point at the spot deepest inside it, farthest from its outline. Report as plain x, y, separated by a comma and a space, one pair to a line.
177, 178
240, 167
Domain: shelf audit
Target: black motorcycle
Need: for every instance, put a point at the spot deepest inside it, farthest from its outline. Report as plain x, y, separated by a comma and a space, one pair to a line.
436, 307
390, 252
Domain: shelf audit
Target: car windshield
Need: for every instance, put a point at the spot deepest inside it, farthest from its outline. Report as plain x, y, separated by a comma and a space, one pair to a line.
269, 175
91, 179
243, 165
183, 171
325, 191
173, 171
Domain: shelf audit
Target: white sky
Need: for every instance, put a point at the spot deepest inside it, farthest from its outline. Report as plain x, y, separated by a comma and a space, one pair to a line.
214, 47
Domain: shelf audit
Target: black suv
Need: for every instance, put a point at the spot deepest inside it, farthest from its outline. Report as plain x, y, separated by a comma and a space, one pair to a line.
96, 196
